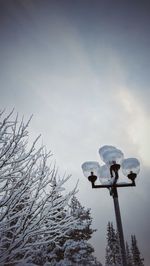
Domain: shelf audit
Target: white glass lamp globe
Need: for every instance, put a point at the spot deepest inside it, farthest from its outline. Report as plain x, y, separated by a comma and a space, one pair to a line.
91, 167
111, 155
130, 165
105, 177
104, 149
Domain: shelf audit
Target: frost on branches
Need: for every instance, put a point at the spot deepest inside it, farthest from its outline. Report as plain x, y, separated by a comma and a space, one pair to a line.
33, 217
137, 260
77, 250
113, 255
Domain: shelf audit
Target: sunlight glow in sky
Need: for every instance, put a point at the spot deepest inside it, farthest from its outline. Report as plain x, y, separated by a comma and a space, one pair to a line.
138, 124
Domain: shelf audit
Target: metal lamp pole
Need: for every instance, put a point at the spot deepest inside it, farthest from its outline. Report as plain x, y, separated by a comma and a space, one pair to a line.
114, 193
119, 226
115, 168
132, 168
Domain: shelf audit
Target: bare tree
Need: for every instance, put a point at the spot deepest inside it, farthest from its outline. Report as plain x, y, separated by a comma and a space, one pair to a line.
28, 210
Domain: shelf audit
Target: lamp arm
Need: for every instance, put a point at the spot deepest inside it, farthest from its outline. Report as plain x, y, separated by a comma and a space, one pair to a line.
114, 185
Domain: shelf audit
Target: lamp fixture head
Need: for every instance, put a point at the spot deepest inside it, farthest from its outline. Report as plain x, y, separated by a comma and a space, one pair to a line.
92, 178
110, 154
130, 167
132, 176
91, 168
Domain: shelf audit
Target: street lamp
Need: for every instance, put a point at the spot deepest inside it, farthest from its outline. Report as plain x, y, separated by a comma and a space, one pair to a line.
108, 175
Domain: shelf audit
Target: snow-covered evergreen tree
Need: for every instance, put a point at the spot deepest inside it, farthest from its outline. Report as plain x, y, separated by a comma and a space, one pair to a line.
136, 256
112, 256
77, 251
118, 251
128, 255
82, 229
27, 216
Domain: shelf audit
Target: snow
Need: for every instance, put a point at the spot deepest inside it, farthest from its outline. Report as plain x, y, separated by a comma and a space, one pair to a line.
40, 222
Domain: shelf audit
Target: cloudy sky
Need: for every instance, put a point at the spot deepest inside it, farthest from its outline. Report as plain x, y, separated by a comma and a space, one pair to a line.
82, 68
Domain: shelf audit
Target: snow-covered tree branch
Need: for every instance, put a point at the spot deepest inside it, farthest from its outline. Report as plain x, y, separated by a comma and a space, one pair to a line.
31, 213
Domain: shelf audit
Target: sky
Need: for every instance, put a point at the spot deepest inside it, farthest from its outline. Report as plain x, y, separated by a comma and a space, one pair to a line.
82, 68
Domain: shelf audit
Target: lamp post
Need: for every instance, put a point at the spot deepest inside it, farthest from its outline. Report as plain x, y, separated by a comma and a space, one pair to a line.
109, 178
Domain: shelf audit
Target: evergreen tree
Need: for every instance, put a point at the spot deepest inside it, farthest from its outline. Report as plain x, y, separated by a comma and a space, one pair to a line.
112, 256
82, 229
77, 251
118, 251
128, 255
136, 256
